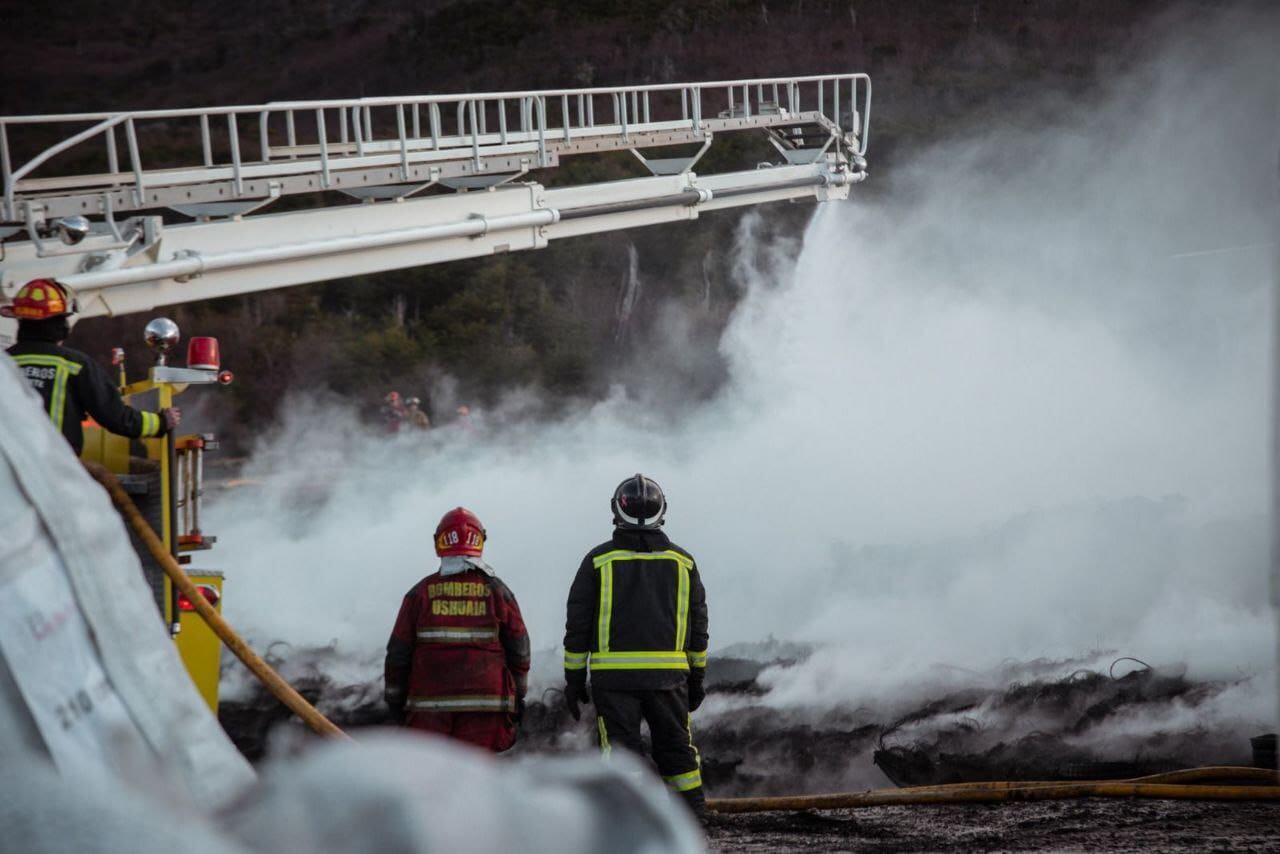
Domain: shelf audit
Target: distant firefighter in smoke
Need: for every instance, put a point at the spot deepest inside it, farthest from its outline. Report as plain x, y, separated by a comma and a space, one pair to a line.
637, 618
414, 415
393, 412
458, 659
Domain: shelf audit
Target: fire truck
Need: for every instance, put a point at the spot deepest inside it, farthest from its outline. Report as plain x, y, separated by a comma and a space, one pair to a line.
165, 478
134, 210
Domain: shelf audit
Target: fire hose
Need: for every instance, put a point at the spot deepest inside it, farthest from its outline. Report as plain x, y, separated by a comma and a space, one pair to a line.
276, 684
1259, 784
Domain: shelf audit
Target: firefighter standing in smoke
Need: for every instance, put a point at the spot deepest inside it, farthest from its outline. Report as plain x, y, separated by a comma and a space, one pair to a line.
637, 616
458, 659
72, 384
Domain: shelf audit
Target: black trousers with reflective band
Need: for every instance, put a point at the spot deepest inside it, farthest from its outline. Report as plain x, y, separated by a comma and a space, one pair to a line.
619, 714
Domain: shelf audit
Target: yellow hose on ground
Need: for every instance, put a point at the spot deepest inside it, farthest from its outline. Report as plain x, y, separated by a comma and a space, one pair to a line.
1175, 785
1234, 774
274, 682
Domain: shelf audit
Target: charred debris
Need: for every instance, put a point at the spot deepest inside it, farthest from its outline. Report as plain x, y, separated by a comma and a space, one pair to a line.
1039, 728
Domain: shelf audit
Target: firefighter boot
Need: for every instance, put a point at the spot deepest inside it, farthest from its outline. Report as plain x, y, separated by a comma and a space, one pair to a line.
696, 801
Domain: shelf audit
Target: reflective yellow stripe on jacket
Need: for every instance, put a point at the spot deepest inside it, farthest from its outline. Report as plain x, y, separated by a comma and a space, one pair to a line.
639, 661
63, 369
150, 425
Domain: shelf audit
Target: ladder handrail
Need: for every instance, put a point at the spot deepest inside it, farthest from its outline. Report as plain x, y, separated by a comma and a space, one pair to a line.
469, 139
391, 101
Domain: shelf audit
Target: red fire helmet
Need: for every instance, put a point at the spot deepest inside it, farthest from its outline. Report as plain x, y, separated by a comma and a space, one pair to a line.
40, 299
459, 533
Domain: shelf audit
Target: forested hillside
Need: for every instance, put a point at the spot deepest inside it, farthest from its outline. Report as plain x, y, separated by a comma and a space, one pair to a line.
550, 321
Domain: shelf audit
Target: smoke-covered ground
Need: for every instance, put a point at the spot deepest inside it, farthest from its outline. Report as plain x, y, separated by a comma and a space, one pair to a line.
1008, 407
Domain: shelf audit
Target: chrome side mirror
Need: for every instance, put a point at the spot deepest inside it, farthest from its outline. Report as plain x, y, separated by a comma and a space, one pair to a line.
71, 229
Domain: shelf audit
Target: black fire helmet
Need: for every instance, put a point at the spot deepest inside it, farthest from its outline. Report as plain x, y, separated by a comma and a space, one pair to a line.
638, 503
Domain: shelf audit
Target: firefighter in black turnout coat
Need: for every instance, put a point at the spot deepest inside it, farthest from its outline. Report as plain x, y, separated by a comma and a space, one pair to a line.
637, 620
71, 384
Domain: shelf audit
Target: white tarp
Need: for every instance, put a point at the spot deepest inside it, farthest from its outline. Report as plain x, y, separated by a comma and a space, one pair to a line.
74, 533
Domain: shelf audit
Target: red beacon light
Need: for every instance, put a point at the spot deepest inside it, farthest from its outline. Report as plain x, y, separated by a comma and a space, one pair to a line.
226, 377
209, 593
202, 353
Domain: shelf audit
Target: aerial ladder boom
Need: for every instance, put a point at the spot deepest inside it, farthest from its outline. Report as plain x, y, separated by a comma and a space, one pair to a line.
135, 210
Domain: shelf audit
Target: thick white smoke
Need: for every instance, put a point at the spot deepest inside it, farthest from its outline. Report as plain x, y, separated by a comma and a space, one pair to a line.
1011, 402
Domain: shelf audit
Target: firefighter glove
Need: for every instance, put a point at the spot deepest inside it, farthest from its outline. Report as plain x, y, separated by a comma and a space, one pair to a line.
575, 693
697, 693
395, 700
172, 416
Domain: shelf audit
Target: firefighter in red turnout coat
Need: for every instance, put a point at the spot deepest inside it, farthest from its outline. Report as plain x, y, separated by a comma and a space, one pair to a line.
458, 659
